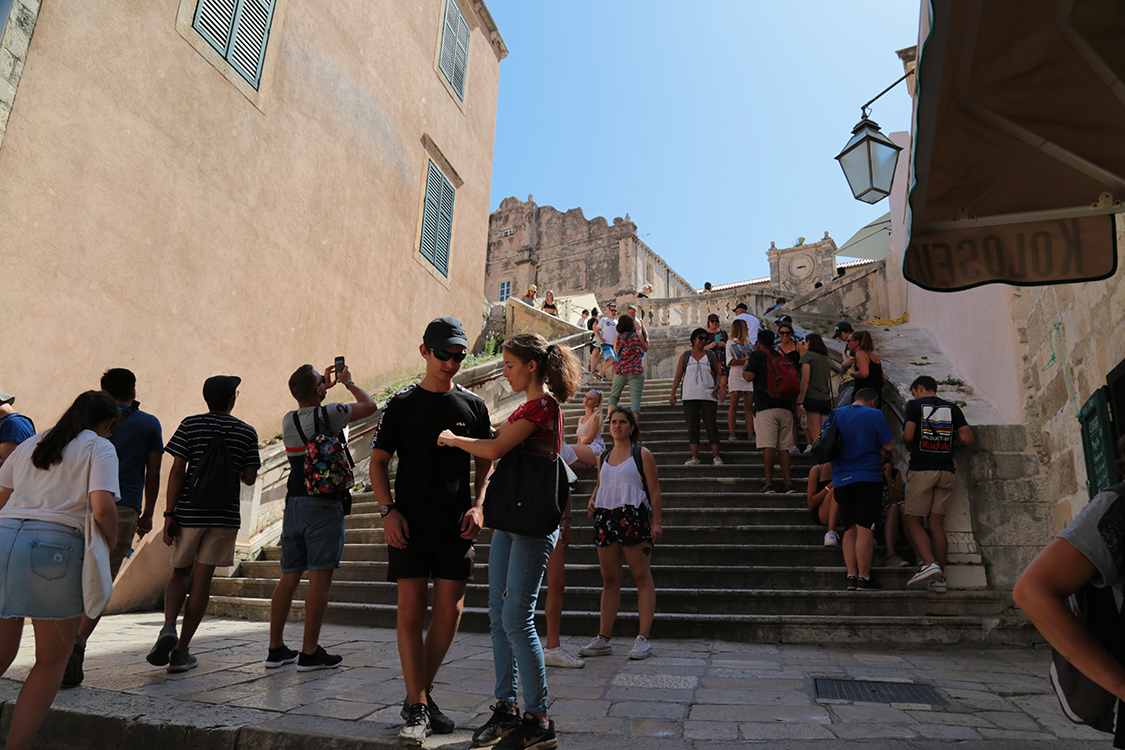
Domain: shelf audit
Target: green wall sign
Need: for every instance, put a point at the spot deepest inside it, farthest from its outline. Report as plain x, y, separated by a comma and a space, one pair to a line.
1097, 441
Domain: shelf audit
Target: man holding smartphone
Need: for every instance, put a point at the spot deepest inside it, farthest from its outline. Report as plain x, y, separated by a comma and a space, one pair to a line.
434, 516
312, 535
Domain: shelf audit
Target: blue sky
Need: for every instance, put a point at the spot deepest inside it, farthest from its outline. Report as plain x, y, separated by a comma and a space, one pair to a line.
712, 124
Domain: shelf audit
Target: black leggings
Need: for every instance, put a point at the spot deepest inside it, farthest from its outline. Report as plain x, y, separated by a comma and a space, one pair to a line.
693, 411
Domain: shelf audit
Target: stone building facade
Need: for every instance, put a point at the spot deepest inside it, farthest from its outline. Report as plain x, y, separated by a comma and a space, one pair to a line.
568, 254
797, 270
182, 211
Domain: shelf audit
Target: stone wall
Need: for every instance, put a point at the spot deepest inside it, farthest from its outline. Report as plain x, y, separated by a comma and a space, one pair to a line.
13, 52
860, 294
568, 254
522, 318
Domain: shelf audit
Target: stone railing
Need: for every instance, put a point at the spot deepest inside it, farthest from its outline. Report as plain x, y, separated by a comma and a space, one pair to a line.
523, 318
694, 309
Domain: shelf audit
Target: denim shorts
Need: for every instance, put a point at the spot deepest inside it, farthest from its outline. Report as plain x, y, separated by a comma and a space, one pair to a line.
312, 534
42, 576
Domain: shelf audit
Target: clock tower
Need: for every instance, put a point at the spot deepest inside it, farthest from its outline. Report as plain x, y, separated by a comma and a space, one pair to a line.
797, 269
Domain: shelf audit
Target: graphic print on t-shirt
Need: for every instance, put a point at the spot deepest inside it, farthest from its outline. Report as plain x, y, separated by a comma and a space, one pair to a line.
936, 433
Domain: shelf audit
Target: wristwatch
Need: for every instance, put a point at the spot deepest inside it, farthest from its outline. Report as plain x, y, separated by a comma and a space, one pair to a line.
385, 509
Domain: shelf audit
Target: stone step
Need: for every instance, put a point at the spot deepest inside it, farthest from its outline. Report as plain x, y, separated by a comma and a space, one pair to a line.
672, 517
676, 500
734, 601
804, 577
1002, 629
701, 536
582, 551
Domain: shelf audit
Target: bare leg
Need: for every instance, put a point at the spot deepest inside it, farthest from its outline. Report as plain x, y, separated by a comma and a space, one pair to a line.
449, 600
849, 551
890, 531
941, 544
11, 630
732, 414
175, 593
316, 603
54, 641
553, 604
196, 605
920, 538
280, 603
411, 649
638, 557
609, 558
586, 456
768, 461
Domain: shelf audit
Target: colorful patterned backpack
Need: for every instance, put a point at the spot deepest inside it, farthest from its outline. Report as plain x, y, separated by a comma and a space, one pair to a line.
328, 463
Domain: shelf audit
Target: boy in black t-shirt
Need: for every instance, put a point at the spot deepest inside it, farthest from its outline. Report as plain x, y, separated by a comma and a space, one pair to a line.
929, 430
434, 517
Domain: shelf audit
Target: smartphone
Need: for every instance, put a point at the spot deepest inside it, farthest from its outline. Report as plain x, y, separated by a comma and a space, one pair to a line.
339, 366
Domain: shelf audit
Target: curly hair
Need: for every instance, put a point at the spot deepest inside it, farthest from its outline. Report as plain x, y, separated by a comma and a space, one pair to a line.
558, 369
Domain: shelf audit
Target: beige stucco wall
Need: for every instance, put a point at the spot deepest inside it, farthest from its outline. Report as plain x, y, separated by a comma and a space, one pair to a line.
155, 218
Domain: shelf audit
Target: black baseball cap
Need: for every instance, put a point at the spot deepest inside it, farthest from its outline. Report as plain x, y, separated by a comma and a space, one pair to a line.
741, 306
219, 389
443, 333
842, 327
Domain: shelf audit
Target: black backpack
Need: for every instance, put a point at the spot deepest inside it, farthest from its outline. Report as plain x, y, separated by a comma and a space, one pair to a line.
830, 441
1083, 700
214, 481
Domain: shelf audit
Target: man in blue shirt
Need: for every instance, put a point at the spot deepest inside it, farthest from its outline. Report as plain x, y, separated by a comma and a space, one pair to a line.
140, 448
14, 427
857, 477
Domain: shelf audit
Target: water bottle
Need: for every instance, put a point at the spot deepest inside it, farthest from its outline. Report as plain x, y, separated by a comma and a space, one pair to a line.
804, 419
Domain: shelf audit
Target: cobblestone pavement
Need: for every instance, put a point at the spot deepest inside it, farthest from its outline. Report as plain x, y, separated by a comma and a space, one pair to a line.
691, 693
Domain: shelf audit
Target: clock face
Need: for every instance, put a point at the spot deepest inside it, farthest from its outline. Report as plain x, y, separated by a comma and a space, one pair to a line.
800, 266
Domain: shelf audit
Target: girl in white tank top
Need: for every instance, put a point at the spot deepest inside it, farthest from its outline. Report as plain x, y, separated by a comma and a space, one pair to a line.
627, 522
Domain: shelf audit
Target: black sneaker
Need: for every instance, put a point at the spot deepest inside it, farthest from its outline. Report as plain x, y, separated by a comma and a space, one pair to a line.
281, 656
869, 584
769, 487
530, 736
788, 488
180, 661
441, 723
853, 583
162, 650
319, 659
417, 727
73, 675
503, 721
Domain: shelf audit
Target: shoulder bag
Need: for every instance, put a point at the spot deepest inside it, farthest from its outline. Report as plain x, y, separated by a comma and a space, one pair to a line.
527, 492
97, 583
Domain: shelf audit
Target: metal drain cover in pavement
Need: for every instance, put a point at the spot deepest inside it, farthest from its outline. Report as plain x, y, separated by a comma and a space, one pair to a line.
878, 692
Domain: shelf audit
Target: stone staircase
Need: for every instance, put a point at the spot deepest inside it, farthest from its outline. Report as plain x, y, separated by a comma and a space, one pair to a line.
734, 563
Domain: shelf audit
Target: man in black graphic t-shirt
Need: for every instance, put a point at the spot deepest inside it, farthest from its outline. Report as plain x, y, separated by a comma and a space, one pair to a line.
435, 514
930, 428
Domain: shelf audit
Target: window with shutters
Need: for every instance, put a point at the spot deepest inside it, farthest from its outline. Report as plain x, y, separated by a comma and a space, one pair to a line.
437, 219
454, 58
239, 30
505, 290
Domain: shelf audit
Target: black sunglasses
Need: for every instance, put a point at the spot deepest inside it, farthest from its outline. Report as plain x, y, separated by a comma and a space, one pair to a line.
445, 356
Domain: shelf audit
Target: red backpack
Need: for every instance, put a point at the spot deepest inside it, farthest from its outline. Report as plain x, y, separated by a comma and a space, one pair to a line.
782, 381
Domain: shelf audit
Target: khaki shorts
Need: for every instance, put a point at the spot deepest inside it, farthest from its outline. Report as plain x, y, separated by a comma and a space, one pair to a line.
126, 528
210, 545
928, 492
774, 428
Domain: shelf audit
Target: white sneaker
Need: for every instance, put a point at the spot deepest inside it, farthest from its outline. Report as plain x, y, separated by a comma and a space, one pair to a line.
808, 448
831, 539
925, 574
693, 461
599, 646
716, 461
794, 451
560, 657
642, 649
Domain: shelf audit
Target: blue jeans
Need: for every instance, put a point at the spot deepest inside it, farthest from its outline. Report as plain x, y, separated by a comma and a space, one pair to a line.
515, 572
312, 534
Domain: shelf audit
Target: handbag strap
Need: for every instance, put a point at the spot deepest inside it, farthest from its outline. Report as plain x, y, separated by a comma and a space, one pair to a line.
91, 523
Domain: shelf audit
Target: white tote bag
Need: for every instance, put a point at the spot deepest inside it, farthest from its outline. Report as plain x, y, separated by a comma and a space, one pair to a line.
97, 583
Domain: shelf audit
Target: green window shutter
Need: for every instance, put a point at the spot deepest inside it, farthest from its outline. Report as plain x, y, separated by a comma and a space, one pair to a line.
437, 220
454, 48
239, 31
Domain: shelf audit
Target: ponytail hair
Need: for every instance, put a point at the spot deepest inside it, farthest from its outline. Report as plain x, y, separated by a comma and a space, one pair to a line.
87, 412
557, 368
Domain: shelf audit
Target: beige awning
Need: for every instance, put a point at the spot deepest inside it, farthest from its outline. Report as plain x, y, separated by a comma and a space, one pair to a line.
873, 242
1018, 150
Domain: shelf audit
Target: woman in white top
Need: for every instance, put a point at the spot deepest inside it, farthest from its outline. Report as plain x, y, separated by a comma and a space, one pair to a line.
620, 506
590, 446
44, 485
698, 369
738, 349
